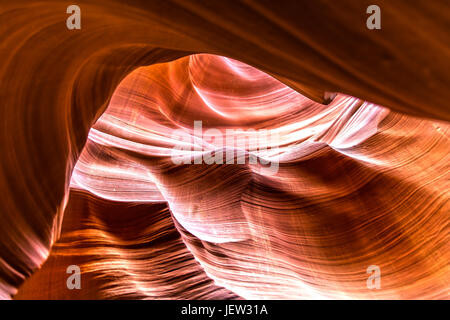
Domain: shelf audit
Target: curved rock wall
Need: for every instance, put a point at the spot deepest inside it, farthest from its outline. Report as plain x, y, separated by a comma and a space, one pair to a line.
362, 180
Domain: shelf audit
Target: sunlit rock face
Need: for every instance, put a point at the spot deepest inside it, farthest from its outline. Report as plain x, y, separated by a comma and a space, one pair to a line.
103, 161
356, 185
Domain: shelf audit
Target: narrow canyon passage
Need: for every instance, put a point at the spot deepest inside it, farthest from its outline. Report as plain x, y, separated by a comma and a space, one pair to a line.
356, 185
99, 141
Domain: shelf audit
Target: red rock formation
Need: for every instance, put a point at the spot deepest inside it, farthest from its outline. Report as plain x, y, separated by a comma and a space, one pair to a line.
357, 184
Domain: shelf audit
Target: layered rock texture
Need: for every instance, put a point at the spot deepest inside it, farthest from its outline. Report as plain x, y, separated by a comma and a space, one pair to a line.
103, 166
